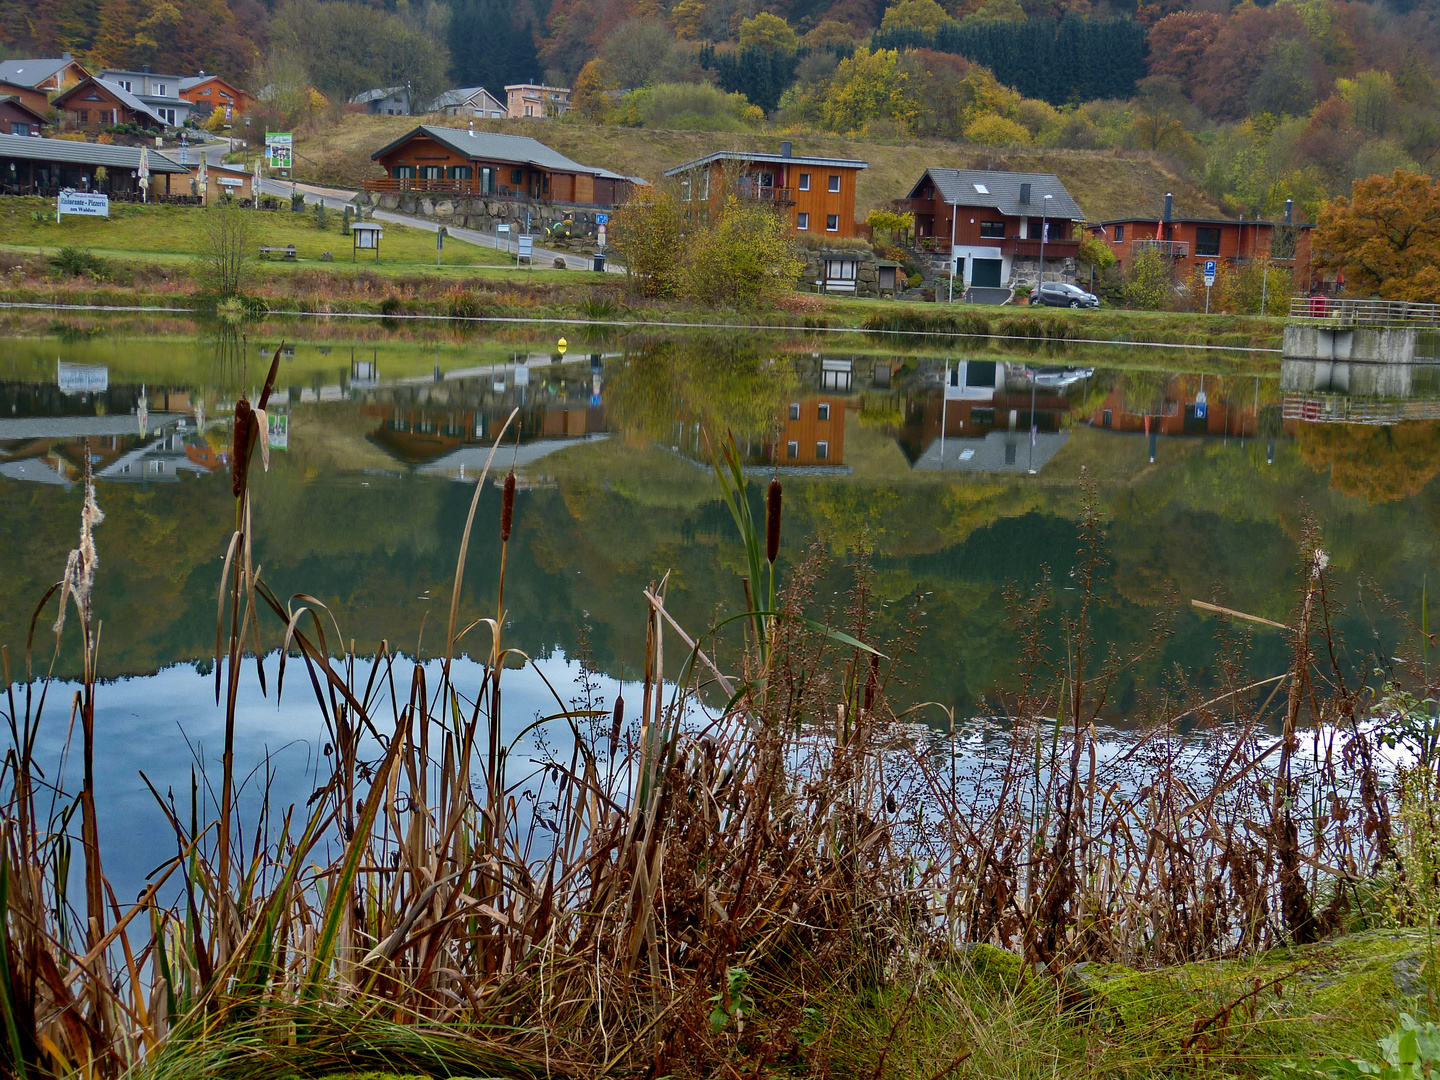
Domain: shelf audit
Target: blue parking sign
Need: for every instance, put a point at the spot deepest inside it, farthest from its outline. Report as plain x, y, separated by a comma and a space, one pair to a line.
602, 219
1210, 272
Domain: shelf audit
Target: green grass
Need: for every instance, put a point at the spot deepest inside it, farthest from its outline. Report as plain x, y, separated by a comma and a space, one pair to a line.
173, 232
1106, 184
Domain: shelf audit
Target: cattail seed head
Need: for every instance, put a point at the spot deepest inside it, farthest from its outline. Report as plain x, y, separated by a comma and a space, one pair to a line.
507, 507
244, 434
772, 522
618, 721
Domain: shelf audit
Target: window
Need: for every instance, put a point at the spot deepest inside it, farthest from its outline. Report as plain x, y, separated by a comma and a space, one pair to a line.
1207, 241
802, 221
992, 230
834, 183
84, 116
515, 176
804, 181
822, 451
981, 189
403, 172
460, 172
162, 90
431, 172
832, 222
529, 110
841, 269
822, 412
205, 92
1119, 233
792, 450
19, 129
794, 410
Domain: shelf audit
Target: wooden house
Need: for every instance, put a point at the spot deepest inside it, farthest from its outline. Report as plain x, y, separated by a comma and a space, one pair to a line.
206, 93
469, 101
18, 118
48, 76
816, 194
451, 161
988, 220
28, 96
95, 104
1189, 242
33, 166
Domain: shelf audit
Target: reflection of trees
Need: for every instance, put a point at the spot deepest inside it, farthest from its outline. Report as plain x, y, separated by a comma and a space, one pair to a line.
710, 381
1378, 464
1144, 390
224, 346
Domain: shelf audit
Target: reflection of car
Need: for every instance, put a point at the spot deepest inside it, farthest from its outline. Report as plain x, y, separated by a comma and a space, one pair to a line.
1063, 294
1061, 378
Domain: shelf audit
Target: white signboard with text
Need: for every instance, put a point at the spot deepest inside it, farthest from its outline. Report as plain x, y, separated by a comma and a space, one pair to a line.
84, 203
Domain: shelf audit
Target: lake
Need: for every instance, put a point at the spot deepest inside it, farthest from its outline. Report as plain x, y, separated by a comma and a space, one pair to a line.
959, 469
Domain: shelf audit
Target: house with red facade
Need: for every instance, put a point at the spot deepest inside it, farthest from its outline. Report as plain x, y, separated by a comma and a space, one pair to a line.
1189, 242
994, 226
18, 118
206, 93
816, 194
96, 104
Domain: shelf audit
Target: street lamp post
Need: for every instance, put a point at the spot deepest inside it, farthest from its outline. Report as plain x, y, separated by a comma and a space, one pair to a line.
1044, 213
954, 210
1034, 427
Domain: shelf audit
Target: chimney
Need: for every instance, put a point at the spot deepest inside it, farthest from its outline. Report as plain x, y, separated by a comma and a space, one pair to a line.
1169, 206
785, 148
1289, 211
66, 56
1024, 194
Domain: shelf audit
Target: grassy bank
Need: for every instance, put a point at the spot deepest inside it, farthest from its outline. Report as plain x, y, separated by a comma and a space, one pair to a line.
1105, 184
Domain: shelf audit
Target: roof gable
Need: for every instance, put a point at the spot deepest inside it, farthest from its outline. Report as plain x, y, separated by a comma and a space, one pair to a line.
489, 146
1000, 190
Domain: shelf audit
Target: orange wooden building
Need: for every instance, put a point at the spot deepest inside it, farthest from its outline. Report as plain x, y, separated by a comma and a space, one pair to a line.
95, 104
816, 194
1188, 242
812, 433
452, 161
210, 92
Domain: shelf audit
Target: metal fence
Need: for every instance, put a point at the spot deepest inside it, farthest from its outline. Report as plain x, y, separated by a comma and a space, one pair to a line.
1339, 312
1341, 409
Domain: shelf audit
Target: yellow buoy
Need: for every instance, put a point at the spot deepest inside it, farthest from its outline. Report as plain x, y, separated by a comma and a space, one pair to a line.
562, 345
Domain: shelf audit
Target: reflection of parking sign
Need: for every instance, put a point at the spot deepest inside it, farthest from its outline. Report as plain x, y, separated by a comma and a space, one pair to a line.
602, 219
1209, 272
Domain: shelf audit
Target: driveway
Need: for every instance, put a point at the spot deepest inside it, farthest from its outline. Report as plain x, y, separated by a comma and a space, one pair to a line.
977, 294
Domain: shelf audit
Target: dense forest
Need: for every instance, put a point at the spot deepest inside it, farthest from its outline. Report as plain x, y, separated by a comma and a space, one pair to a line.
1296, 98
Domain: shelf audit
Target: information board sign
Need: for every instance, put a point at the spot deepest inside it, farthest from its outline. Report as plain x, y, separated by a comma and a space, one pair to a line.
279, 149
526, 250
83, 203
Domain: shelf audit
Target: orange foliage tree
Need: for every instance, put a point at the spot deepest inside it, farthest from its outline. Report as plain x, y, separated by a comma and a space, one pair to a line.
1370, 462
1385, 237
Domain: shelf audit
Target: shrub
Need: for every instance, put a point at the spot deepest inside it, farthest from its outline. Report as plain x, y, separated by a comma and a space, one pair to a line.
76, 261
993, 129
1148, 282
746, 259
686, 107
224, 255
647, 235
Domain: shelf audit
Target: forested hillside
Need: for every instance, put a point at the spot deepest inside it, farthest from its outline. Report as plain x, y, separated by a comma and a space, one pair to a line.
1256, 104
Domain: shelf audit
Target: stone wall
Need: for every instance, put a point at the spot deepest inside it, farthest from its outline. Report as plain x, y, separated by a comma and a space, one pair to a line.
867, 274
479, 213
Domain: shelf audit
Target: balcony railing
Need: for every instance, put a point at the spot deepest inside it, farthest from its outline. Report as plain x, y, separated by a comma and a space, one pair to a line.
1171, 249
1364, 312
383, 185
1028, 248
779, 196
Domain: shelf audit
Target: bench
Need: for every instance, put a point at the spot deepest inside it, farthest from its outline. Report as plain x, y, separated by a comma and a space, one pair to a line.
287, 252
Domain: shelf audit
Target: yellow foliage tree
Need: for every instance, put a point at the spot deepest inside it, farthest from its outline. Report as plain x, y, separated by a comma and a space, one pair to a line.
925, 15
588, 95
995, 130
689, 16
769, 32
869, 86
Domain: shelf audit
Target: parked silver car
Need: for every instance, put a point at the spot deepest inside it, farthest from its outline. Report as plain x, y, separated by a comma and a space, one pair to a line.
1063, 294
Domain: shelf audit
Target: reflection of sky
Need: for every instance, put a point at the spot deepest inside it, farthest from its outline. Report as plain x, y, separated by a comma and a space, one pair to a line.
166, 725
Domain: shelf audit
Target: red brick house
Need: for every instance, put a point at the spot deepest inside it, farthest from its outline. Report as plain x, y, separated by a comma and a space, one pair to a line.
991, 223
816, 194
1188, 242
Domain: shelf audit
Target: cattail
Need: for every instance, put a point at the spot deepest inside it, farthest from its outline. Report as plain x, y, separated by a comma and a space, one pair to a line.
772, 522
240, 451
507, 507
618, 721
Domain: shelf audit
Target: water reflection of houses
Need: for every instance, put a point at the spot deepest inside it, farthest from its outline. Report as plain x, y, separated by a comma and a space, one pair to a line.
447, 427
49, 449
1178, 407
980, 419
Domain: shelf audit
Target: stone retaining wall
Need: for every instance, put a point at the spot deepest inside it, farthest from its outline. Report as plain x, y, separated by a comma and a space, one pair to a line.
482, 214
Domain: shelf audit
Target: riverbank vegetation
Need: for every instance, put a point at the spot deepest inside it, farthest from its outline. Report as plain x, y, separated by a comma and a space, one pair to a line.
758, 862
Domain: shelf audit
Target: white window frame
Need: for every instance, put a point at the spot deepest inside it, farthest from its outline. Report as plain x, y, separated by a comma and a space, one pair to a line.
834, 183
802, 221
822, 450
804, 181
828, 219
822, 411
794, 410
792, 451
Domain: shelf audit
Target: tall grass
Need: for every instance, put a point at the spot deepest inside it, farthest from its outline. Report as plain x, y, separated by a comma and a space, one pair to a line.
717, 874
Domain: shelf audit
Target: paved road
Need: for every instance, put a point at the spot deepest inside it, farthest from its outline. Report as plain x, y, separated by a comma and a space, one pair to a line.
977, 294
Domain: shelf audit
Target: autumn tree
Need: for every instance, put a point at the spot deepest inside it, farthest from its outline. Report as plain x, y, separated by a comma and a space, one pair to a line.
1238, 56
924, 15
647, 236
1178, 42
1372, 462
768, 32
1385, 237
590, 95
746, 258
1148, 282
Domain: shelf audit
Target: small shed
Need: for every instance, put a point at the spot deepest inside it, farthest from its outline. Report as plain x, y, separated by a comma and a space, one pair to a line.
891, 274
366, 237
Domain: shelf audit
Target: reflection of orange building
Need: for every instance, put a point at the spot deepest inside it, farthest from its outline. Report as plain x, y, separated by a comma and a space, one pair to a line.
974, 418
1177, 410
417, 435
812, 433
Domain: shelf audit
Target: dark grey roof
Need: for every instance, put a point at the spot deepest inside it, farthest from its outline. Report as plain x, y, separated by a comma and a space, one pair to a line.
755, 157
460, 96
29, 148
1001, 190
1146, 219
138, 74
30, 72
377, 94
492, 147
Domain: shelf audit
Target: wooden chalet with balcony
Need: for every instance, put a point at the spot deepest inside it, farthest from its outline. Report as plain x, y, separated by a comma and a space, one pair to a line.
453, 162
1189, 242
207, 93
95, 104
816, 194
990, 222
